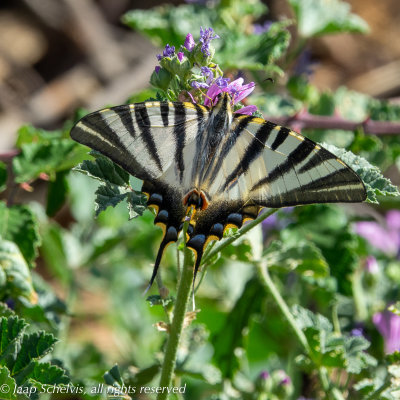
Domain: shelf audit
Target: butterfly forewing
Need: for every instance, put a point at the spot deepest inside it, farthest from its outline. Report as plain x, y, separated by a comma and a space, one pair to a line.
277, 167
150, 140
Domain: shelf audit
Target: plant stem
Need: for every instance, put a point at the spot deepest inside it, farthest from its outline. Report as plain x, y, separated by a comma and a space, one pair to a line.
176, 327
269, 285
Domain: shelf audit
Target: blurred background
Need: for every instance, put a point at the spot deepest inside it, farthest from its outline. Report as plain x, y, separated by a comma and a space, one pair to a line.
56, 56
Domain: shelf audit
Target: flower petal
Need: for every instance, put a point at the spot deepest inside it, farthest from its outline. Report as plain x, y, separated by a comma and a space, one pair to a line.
248, 110
213, 91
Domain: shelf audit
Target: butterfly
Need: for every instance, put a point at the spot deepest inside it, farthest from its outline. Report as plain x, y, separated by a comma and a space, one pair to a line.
221, 166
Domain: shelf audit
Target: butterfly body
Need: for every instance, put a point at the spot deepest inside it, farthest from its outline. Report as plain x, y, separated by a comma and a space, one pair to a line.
221, 166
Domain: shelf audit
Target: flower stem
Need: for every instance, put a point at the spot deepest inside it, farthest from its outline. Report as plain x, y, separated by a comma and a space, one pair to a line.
176, 327
269, 285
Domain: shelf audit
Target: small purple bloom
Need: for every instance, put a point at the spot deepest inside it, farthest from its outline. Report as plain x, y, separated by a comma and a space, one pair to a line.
180, 56
157, 69
169, 51
371, 265
393, 220
264, 375
189, 42
388, 325
221, 82
286, 381
357, 332
199, 85
258, 29
207, 72
205, 38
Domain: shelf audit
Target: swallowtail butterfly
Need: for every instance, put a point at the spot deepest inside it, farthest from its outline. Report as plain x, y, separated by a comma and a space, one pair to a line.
225, 167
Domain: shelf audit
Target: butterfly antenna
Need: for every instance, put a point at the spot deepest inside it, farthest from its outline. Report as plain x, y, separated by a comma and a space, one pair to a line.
156, 265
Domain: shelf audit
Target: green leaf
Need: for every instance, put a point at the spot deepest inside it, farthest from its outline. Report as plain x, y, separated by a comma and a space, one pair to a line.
375, 183
3, 176
36, 158
17, 273
5, 311
304, 257
232, 334
18, 224
33, 346
104, 170
319, 17
7, 385
111, 195
57, 193
10, 329
114, 186
330, 349
20, 353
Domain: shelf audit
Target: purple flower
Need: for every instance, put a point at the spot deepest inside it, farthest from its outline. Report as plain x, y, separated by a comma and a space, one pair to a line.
258, 29
371, 265
199, 85
180, 56
286, 381
386, 239
189, 42
205, 38
222, 83
357, 332
207, 72
157, 69
236, 89
264, 375
388, 325
168, 52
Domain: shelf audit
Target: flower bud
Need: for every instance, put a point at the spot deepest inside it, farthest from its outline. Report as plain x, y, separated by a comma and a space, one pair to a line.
160, 78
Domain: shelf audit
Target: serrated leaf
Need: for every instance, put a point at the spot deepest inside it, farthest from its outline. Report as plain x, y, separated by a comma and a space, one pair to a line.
18, 224
137, 203
104, 170
108, 195
375, 183
17, 273
48, 374
356, 358
33, 346
7, 385
306, 258
11, 329
5, 311
318, 17
3, 176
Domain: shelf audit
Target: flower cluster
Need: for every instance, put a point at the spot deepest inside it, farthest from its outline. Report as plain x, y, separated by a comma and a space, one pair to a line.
192, 71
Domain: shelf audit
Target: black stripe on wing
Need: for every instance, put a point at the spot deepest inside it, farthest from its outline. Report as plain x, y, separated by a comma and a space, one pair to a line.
143, 122
230, 142
180, 137
298, 155
256, 147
